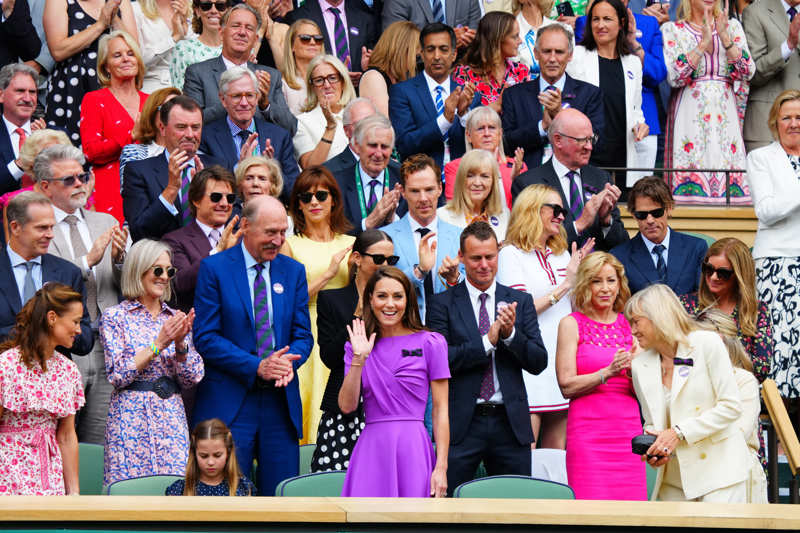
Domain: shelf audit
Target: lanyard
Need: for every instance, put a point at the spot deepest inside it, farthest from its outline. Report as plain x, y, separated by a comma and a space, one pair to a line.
361, 201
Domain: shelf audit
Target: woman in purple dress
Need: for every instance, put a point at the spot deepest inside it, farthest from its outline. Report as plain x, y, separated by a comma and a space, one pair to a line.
391, 359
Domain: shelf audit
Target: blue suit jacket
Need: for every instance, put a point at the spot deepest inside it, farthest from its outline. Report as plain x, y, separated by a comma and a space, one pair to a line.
654, 70
7, 181
447, 238
53, 269
224, 332
218, 142
522, 113
684, 257
413, 116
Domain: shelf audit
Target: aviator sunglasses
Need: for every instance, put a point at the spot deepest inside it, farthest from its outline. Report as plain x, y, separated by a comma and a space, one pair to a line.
306, 38
305, 197
69, 181
723, 274
158, 271
378, 259
206, 6
557, 210
642, 215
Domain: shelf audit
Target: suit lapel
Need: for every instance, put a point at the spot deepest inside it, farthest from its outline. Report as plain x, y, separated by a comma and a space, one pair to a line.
681, 373
425, 96
464, 307
640, 258
197, 240
778, 16
551, 179
9, 282
277, 278
678, 254
240, 281
425, 7
651, 381
59, 243
225, 140
405, 243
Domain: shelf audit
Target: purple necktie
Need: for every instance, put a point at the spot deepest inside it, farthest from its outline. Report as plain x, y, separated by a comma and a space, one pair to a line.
487, 382
791, 12
186, 213
373, 194
340, 38
575, 199
261, 311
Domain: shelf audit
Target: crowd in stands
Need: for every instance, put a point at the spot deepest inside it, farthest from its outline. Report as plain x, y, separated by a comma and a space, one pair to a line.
233, 228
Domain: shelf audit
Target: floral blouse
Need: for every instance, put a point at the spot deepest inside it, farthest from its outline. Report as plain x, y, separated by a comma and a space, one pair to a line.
489, 88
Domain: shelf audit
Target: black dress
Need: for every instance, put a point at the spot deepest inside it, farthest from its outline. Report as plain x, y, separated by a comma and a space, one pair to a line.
245, 488
611, 150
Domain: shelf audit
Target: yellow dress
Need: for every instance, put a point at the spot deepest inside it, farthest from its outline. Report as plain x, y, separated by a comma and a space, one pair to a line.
313, 375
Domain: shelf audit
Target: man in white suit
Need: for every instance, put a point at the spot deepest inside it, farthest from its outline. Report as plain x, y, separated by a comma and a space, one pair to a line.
95, 244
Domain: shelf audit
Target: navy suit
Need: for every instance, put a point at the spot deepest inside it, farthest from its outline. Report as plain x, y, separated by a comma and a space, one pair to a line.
506, 447
18, 37
189, 246
344, 160
7, 182
266, 421
346, 180
684, 257
218, 142
53, 269
522, 113
144, 181
413, 116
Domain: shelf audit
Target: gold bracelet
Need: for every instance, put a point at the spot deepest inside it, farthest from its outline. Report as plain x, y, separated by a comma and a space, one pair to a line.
356, 364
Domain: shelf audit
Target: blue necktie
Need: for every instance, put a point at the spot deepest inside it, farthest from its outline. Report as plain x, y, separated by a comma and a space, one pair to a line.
439, 101
438, 11
791, 12
661, 266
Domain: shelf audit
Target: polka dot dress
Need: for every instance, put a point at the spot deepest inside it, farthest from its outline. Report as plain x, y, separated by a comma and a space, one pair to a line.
72, 78
336, 437
246, 488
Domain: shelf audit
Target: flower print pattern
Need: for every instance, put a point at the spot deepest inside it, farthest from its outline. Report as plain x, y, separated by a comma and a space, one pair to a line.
489, 88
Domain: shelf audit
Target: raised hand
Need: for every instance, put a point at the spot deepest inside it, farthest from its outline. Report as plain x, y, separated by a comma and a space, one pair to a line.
179, 24
249, 146
336, 260
360, 343
229, 237
108, 12
95, 255
640, 131
269, 150
264, 84
451, 103
465, 99
427, 252
366, 53
449, 270
519, 155
119, 243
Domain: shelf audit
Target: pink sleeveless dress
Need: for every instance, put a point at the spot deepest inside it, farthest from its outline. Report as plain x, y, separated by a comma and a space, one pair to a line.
601, 424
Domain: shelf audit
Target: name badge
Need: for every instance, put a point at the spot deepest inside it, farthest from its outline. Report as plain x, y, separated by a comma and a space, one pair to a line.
683, 371
278, 288
630, 75
353, 30
494, 220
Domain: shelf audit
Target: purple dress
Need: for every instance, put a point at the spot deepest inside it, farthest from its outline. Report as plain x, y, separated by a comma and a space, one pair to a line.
394, 456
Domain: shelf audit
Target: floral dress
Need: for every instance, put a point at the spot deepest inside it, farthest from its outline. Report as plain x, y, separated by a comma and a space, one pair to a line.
703, 127
490, 89
33, 402
188, 52
145, 434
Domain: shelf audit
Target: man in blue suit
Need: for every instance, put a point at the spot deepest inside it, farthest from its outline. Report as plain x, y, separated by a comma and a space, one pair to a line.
657, 254
426, 109
18, 96
427, 246
253, 332
241, 133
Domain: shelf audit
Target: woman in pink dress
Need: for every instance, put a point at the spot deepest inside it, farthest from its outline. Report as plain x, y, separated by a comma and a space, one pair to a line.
593, 362
40, 391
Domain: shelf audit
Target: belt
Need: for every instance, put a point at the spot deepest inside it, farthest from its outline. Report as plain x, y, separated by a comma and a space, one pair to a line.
164, 387
44, 442
489, 409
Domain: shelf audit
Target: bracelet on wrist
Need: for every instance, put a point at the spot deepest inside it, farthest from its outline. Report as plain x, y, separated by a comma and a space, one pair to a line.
182, 350
553, 299
154, 349
602, 377
728, 47
324, 140
356, 364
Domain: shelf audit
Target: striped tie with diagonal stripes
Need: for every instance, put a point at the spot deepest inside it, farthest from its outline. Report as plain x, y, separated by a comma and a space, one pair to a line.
340, 38
439, 101
264, 343
438, 11
186, 213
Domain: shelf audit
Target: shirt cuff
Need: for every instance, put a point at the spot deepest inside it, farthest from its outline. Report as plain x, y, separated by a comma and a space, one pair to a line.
542, 133
85, 263
443, 123
14, 170
488, 347
171, 208
507, 340
786, 52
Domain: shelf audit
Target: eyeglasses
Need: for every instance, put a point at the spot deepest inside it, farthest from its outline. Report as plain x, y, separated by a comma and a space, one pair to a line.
158, 271
333, 79
642, 215
723, 274
305, 197
251, 97
216, 197
582, 140
306, 38
378, 259
206, 6
69, 181
557, 210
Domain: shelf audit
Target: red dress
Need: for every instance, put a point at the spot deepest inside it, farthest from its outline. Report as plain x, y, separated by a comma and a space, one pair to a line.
105, 128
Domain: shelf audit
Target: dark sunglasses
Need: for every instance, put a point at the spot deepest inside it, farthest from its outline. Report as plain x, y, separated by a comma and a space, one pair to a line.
557, 210
378, 259
216, 197
306, 197
723, 274
206, 6
642, 215
69, 181
306, 38
158, 271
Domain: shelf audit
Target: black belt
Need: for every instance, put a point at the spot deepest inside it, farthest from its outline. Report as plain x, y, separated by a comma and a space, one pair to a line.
163, 386
488, 409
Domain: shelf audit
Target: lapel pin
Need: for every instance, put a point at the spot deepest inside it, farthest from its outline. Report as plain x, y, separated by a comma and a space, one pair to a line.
277, 288
683, 371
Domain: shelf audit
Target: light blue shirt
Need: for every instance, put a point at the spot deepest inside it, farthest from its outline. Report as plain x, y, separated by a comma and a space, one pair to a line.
18, 266
171, 207
250, 267
544, 85
650, 245
235, 133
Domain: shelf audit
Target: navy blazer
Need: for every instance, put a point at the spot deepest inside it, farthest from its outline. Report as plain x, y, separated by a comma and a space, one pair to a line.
413, 115
18, 37
684, 257
7, 182
344, 160
593, 180
450, 313
522, 113
346, 179
224, 332
189, 246
144, 181
53, 269
217, 142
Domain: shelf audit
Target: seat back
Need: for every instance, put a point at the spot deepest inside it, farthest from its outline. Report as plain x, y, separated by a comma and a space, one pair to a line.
306, 453
708, 238
90, 473
142, 486
510, 487
318, 484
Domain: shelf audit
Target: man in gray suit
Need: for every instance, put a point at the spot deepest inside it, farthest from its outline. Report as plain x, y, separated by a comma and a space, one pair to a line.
772, 35
240, 26
95, 244
461, 15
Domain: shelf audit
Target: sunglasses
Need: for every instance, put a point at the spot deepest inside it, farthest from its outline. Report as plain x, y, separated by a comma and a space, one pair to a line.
158, 271
723, 274
378, 259
306, 38
557, 210
306, 197
69, 181
206, 6
216, 197
333, 79
642, 215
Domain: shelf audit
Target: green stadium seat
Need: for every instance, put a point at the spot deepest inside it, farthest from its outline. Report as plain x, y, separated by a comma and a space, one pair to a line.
708, 238
142, 486
318, 484
510, 487
306, 453
90, 473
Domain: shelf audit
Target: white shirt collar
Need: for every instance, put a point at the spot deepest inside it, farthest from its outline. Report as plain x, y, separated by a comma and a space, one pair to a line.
474, 292
432, 84
15, 259
230, 64
786, 6
249, 260
10, 126
650, 244
559, 84
61, 214
416, 225
560, 169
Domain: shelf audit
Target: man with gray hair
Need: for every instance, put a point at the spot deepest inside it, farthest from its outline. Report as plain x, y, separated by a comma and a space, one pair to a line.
93, 242
371, 186
357, 109
18, 97
240, 27
242, 133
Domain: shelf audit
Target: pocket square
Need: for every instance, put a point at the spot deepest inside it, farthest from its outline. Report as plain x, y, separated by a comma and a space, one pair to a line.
412, 353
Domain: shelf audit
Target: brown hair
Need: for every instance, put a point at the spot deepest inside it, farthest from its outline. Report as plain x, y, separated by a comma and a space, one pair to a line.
197, 187
396, 51
197, 22
715, 319
415, 163
410, 318
318, 176
788, 95
587, 270
145, 130
213, 429
32, 329
483, 53
651, 187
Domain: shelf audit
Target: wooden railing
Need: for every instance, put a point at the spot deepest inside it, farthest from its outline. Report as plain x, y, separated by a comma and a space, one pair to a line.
783, 432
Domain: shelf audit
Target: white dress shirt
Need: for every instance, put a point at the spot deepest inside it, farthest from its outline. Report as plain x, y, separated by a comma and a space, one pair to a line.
433, 226
13, 169
207, 232
83, 231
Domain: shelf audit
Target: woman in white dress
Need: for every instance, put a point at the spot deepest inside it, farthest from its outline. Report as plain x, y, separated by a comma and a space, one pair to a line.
531, 15
535, 259
161, 25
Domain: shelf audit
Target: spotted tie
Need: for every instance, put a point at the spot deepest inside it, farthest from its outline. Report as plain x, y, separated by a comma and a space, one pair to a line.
261, 312
487, 382
340, 37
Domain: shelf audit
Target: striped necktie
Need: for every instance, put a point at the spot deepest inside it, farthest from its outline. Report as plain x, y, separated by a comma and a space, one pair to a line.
340, 38
439, 102
575, 199
261, 312
438, 11
186, 213
661, 265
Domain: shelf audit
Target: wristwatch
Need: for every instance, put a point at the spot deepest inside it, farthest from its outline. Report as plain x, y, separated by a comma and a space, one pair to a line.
423, 272
678, 432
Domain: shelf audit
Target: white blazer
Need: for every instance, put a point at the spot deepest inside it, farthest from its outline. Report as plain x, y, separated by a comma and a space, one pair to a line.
585, 66
775, 190
705, 404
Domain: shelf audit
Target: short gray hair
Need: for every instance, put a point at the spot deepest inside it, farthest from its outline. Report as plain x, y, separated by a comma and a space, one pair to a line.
370, 124
17, 207
42, 165
235, 74
8, 72
480, 114
142, 255
347, 114
246, 7
556, 27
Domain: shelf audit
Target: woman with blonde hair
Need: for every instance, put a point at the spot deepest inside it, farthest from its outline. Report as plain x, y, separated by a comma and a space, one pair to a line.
476, 195
161, 25
304, 41
258, 175
535, 259
531, 15
207, 26
592, 364
394, 59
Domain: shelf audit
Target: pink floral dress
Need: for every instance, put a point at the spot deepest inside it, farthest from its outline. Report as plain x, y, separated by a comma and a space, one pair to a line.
490, 89
33, 402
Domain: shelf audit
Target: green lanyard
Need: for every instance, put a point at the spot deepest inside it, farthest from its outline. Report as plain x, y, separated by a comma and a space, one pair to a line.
361, 201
